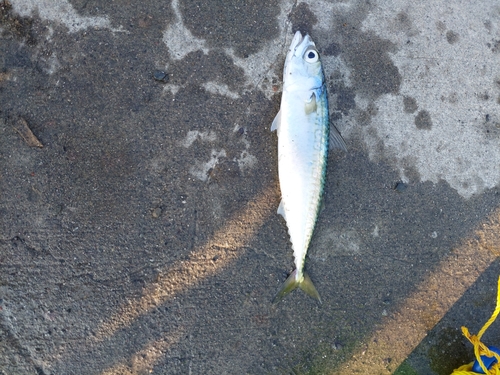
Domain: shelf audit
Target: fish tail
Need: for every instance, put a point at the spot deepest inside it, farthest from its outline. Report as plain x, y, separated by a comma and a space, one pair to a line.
293, 281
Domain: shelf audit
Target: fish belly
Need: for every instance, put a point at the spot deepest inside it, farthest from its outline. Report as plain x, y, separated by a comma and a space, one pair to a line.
302, 156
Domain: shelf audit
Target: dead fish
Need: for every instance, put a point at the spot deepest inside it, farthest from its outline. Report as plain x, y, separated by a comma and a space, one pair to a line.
304, 137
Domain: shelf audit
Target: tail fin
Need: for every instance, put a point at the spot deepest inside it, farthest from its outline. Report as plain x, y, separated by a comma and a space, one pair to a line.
292, 282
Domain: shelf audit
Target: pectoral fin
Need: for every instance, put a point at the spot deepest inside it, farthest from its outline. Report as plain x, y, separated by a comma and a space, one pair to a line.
310, 105
276, 122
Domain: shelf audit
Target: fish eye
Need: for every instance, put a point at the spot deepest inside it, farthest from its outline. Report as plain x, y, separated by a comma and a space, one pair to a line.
311, 56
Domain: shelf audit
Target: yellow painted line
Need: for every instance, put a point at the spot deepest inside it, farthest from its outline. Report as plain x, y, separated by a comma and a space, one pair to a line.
144, 360
401, 332
226, 246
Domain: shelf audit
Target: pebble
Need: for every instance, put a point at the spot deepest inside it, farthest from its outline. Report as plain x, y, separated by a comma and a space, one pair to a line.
160, 76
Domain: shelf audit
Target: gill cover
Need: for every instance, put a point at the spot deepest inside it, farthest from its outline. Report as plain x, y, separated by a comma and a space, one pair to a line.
303, 69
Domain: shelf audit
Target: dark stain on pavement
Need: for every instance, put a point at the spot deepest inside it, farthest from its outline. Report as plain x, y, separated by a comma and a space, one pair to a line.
364, 116
403, 21
410, 104
238, 25
373, 72
345, 97
333, 49
367, 56
302, 18
423, 120
452, 37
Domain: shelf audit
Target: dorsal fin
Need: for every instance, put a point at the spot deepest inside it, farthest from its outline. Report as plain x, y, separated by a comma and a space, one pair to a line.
336, 140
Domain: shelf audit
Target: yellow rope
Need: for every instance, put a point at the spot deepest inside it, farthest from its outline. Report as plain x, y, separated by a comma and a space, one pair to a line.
481, 349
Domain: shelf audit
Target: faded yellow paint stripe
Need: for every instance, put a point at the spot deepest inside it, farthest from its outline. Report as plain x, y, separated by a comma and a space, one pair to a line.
400, 333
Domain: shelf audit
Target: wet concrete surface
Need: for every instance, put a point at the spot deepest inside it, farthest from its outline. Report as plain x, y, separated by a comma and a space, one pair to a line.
142, 237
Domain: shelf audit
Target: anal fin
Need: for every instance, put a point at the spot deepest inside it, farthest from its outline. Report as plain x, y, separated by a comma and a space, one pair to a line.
281, 209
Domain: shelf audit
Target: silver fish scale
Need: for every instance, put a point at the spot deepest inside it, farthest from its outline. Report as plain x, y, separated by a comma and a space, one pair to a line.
322, 131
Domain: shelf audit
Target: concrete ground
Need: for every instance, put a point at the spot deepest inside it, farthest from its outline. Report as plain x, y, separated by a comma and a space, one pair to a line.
139, 187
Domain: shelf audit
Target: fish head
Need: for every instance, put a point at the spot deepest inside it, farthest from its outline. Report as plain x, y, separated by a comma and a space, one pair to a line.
303, 70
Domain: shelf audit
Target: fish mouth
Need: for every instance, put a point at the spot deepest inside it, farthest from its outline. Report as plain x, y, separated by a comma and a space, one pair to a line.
297, 39
300, 44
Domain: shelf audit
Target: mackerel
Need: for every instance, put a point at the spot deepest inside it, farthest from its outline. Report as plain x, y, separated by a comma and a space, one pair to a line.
304, 137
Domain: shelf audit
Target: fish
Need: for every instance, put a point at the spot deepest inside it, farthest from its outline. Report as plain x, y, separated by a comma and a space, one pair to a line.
304, 138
